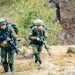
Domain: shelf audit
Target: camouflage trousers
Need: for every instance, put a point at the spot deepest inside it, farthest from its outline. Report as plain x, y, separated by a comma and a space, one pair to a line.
36, 51
7, 58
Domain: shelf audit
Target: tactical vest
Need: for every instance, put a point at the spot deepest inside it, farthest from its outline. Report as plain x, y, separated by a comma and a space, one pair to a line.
6, 33
38, 33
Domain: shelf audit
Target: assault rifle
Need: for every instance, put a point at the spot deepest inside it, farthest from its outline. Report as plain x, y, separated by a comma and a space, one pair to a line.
42, 41
5, 37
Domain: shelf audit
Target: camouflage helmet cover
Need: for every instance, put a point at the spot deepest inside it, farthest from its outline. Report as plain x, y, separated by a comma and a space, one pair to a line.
3, 22
38, 22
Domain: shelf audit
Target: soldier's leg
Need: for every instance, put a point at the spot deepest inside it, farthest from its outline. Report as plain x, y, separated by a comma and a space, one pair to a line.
58, 16
4, 59
10, 61
39, 51
35, 51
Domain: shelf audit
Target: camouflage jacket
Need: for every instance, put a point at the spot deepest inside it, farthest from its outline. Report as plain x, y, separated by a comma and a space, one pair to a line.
37, 33
11, 34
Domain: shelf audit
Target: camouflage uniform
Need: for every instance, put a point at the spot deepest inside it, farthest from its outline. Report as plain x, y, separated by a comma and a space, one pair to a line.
7, 56
37, 45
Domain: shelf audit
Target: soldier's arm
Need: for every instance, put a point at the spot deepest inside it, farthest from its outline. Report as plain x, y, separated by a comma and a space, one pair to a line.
31, 37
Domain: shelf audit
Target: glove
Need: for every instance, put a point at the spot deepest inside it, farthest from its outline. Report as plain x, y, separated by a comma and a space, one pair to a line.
4, 44
38, 39
8, 39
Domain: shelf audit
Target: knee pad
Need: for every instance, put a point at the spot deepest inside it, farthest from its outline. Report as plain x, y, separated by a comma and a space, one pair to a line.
3, 60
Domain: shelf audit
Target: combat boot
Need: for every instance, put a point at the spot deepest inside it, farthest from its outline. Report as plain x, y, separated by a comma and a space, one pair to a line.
39, 60
11, 67
5, 66
36, 60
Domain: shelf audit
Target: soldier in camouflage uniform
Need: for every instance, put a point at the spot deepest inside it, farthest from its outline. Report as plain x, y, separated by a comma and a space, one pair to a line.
7, 55
38, 31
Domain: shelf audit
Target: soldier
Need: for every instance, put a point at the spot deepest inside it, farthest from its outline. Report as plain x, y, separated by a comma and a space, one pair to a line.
38, 35
7, 53
56, 2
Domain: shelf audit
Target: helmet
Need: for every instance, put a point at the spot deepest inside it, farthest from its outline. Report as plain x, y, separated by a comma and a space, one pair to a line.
38, 22
3, 22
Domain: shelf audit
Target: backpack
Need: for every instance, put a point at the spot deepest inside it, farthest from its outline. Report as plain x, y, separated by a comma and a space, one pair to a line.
14, 27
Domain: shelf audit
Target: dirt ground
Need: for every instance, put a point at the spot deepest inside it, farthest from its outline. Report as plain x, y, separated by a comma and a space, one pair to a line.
60, 63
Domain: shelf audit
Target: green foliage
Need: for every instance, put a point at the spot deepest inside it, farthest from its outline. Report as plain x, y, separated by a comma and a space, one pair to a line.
2, 1
23, 12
